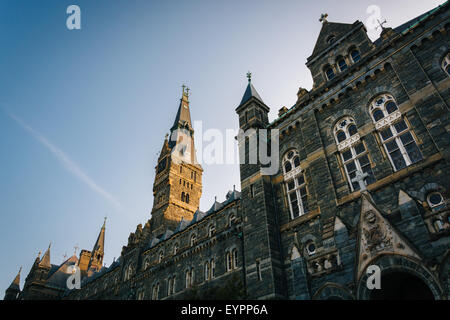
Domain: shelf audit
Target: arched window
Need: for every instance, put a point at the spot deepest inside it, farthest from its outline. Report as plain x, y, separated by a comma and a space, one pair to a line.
235, 258
446, 64
435, 200
146, 263
188, 278
342, 64
175, 248
354, 53
161, 256
331, 39
229, 261
353, 153
155, 292
213, 268
211, 231
329, 72
397, 137
207, 271
193, 239
187, 197
171, 286
295, 184
231, 219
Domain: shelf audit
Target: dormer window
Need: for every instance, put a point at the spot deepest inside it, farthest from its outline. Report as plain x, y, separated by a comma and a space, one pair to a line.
330, 73
355, 55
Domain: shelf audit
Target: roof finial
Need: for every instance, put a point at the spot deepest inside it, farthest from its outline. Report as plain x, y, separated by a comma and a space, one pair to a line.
380, 24
249, 76
184, 87
323, 17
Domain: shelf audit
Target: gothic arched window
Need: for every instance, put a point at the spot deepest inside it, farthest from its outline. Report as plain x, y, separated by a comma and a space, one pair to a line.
446, 64
395, 134
354, 53
342, 64
207, 271
353, 152
161, 256
183, 196
329, 72
155, 292
295, 184
193, 239
187, 197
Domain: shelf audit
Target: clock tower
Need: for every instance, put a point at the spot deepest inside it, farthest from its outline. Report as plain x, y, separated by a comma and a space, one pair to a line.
178, 180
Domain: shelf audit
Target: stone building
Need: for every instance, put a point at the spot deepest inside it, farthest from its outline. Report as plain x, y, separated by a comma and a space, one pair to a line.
362, 185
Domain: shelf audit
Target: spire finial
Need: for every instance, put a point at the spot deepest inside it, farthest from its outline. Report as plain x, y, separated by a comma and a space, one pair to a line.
184, 87
249, 76
323, 17
104, 222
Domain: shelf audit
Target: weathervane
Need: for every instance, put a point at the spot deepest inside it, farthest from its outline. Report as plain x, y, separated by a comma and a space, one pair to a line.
249, 76
323, 17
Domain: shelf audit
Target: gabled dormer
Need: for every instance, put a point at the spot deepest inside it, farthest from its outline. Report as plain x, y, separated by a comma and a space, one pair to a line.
338, 47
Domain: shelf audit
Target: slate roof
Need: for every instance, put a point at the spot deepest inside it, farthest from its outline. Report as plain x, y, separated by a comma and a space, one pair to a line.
249, 93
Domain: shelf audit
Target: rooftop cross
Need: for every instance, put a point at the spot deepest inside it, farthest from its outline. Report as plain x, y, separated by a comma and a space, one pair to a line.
187, 91
323, 17
359, 177
249, 76
380, 24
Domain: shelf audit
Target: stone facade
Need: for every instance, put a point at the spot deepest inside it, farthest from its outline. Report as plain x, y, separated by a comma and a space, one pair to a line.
378, 110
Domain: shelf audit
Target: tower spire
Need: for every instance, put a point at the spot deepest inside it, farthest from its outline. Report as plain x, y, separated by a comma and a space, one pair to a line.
96, 260
45, 261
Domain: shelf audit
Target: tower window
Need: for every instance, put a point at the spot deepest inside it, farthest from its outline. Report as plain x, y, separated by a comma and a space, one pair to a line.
329, 73
355, 55
187, 198
342, 64
183, 196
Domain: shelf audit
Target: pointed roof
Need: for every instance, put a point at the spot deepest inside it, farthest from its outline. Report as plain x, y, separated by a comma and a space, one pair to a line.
45, 261
377, 236
16, 282
249, 93
100, 243
183, 117
330, 29
58, 277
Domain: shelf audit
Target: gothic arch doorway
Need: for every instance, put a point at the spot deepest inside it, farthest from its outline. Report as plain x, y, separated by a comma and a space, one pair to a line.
401, 286
402, 278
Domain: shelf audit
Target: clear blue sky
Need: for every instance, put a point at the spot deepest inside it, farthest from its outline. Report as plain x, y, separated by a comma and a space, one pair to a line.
83, 113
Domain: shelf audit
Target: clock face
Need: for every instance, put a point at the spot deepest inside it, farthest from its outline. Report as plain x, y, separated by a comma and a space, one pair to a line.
162, 165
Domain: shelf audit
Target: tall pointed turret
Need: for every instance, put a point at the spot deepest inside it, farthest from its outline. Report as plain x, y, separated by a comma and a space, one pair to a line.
96, 260
14, 289
45, 261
